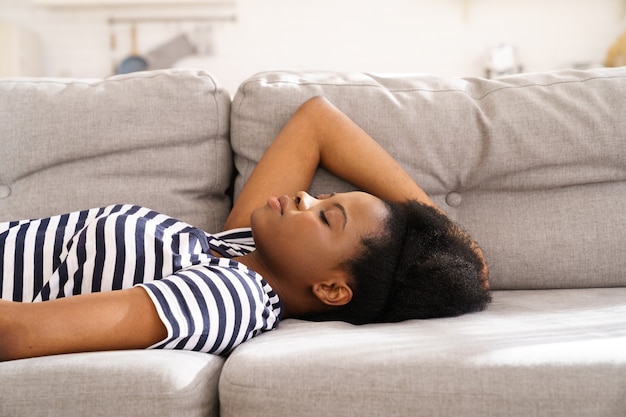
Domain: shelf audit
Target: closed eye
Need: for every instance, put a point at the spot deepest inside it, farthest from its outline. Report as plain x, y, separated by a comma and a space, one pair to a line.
323, 218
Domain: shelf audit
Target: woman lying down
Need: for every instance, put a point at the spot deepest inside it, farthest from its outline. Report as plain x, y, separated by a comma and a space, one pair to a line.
126, 277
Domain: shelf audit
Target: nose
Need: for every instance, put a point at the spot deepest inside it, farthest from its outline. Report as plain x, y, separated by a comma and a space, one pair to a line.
305, 201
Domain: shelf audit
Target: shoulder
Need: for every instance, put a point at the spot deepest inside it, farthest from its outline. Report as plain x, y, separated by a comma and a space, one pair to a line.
222, 304
234, 283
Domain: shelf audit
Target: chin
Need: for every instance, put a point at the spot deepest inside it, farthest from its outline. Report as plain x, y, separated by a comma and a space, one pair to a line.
259, 226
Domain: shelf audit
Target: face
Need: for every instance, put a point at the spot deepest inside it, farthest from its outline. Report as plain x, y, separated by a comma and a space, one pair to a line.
304, 238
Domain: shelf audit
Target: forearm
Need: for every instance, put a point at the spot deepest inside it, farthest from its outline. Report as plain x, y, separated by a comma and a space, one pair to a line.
286, 167
115, 320
350, 153
320, 134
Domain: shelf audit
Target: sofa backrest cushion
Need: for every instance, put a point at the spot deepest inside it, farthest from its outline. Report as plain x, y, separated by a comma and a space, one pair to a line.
157, 139
532, 165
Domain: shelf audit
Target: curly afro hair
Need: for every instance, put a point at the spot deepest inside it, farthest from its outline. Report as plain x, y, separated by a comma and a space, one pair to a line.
422, 266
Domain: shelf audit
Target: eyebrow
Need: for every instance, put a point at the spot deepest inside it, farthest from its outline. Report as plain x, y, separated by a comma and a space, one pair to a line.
343, 211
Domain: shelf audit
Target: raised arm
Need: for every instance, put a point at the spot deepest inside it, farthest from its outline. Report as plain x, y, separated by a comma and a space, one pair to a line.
319, 134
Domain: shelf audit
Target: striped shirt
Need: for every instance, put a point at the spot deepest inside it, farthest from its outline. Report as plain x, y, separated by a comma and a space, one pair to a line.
207, 303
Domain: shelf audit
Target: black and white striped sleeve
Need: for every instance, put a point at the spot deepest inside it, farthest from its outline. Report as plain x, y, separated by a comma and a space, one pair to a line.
213, 308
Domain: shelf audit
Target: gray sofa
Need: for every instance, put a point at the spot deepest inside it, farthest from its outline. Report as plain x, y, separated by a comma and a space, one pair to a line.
532, 165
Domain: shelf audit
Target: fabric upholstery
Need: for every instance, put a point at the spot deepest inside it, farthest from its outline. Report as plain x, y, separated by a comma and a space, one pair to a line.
532, 165
130, 383
532, 353
157, 139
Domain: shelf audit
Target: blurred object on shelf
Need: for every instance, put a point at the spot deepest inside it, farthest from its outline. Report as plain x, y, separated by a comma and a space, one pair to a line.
202, 37
616, 55
20, 52
134, 62
170, 39
166, 54
502, 60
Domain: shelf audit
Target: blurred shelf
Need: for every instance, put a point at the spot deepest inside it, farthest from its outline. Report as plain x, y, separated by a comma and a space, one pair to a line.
128, 3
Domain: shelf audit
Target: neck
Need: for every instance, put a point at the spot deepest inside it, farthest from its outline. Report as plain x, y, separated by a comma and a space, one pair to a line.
296, 300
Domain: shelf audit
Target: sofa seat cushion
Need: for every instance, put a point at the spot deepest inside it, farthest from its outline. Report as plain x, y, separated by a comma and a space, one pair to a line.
157, 139
532, 165
539, 352
129, 383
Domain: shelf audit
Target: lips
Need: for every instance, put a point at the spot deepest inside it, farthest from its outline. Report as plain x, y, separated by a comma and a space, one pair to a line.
275, 204
285, 202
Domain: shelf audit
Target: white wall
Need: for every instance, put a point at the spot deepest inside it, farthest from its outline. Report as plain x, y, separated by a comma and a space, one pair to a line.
446, 37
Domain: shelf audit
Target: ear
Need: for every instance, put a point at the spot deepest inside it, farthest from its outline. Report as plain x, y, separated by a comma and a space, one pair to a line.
334, 291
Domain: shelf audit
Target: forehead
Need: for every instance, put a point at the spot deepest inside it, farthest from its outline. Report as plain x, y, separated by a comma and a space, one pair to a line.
366, 210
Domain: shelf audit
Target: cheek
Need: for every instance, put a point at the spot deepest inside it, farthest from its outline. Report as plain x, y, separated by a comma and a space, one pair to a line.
281, 237
290, 255
299, 239
305, 247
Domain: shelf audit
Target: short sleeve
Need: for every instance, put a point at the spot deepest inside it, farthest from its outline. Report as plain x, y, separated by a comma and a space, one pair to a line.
212, 308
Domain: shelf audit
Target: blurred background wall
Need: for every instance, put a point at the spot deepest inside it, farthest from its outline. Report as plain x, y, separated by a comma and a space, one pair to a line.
234, 39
